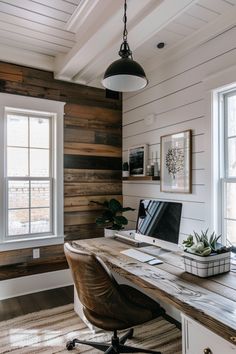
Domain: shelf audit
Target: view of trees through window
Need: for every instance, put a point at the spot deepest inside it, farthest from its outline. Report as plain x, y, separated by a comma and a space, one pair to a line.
28, 174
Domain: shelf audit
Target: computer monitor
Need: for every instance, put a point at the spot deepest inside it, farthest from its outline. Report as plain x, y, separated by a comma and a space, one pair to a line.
158, 223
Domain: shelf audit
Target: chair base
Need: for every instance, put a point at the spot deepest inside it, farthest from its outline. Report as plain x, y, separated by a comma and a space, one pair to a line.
115, 347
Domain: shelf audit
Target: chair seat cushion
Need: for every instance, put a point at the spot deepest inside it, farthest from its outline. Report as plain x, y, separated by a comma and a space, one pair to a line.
138, 308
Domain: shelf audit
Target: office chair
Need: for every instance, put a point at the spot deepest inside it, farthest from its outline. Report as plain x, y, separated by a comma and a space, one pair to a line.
107, 304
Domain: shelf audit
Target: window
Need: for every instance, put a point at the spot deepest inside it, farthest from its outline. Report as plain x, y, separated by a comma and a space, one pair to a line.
227, 155
29, 174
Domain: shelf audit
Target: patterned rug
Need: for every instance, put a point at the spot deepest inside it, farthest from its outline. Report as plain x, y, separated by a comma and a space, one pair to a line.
47, 332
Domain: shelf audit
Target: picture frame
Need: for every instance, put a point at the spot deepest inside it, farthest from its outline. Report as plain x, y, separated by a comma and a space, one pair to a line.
138, 160
176, 162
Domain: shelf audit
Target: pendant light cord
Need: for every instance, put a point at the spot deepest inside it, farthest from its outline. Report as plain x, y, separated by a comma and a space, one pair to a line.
125, 51
125, 32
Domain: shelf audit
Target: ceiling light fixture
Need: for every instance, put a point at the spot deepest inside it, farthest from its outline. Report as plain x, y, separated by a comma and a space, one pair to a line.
125, 74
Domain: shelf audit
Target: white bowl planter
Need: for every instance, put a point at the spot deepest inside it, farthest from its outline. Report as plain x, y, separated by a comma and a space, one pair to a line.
109, 232
206, 266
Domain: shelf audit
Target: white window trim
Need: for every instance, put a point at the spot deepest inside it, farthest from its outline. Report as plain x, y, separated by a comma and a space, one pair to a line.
57, 108
213, 86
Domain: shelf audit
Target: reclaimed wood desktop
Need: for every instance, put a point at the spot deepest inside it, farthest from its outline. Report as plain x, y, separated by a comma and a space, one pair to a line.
210, 301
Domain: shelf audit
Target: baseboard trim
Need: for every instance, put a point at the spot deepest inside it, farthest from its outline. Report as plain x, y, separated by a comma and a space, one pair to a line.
34, 283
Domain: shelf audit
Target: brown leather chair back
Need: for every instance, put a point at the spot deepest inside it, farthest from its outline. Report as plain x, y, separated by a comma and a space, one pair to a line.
107, 304
94, 283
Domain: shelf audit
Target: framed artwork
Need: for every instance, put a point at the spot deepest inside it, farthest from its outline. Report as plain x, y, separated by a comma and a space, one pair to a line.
137, 160
176, 164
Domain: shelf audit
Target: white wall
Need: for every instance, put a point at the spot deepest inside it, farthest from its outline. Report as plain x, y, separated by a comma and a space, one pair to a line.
177, 95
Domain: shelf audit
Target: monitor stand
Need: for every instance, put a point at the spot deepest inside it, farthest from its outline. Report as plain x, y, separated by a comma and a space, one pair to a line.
154, 250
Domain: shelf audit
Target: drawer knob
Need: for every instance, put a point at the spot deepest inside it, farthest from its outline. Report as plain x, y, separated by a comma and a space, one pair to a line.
207, 351
233, 339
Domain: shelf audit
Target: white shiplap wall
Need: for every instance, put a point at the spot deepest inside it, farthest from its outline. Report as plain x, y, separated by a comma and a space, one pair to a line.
176, 95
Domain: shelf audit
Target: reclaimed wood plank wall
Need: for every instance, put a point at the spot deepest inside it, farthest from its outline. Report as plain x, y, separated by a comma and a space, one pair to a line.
92, 148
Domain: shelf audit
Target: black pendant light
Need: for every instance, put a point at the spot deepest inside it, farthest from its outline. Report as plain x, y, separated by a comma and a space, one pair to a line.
125, 74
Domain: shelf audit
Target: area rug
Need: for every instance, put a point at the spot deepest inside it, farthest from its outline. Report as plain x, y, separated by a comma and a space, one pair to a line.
48, 331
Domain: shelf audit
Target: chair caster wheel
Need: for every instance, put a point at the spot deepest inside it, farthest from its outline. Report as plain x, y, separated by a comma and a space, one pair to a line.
70, 345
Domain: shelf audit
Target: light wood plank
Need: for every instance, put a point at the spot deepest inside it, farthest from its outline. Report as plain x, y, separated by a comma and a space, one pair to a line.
82, 189
91, 149
85, 203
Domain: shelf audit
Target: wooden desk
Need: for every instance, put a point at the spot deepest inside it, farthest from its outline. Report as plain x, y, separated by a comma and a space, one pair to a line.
211, 301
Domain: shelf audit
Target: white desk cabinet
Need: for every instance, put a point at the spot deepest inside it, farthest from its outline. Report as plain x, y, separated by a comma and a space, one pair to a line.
198, 339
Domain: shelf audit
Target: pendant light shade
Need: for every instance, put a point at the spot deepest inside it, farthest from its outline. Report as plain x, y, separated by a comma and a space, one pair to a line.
125, 74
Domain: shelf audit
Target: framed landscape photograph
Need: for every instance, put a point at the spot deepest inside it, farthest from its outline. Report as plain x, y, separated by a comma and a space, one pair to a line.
176, 164
137, 160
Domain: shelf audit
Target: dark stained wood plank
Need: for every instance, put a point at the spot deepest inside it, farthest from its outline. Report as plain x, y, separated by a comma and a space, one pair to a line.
82, 189
79, 232
78, 135
22, 305
22, 270
93, 113
26, 255
84, 203
75, 135
17, 88
81, 217
92, 150
85, 175
96, 124
109, 138
93, 162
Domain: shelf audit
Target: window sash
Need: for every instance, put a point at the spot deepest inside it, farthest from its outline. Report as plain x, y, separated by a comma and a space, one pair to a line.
29, 179
29, 208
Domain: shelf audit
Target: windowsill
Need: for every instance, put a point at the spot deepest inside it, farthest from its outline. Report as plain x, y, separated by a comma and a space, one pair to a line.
34, 242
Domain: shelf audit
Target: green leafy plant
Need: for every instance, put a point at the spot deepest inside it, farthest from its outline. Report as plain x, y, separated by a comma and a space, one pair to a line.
204, 245
112, 214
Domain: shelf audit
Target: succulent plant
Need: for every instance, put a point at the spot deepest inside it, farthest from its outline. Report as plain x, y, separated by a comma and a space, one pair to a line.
203, 244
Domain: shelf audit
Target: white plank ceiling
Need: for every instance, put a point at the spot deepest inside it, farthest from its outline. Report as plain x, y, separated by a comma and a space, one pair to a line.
78, 39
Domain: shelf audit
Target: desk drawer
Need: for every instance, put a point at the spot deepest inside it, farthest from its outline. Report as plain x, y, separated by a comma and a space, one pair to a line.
197, 338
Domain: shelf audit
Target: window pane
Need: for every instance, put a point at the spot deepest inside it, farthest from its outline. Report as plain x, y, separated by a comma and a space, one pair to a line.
17, 130
40, 193
39, 132
18, 194
231, 231
232, 157
232, 116
39, 163
230, 200
18, 222
40, 220
17, 162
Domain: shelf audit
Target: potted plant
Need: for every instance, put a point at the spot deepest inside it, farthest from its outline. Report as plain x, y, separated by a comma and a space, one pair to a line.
125, 169
112, 219
204, 255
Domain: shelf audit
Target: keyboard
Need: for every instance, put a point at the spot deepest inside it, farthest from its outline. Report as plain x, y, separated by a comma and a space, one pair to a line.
141, 256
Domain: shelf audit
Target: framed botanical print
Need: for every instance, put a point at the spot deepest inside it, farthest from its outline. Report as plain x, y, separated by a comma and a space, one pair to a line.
176, 164
138, 160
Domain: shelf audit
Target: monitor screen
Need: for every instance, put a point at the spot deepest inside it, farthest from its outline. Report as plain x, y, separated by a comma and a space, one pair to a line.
159, 220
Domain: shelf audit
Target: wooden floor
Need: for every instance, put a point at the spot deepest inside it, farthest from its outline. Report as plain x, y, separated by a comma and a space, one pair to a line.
22, 305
